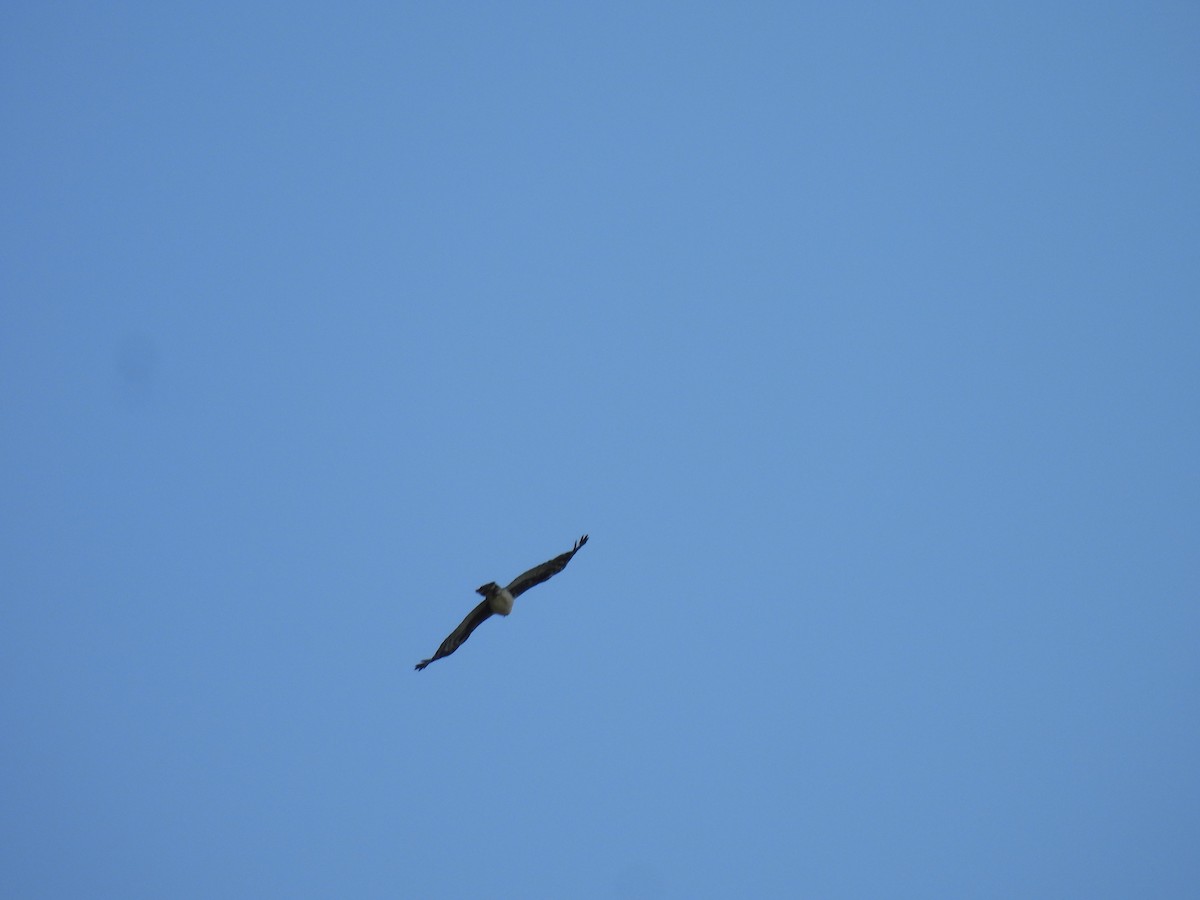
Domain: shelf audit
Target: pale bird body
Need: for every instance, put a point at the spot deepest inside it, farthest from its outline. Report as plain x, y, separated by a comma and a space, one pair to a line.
501, 601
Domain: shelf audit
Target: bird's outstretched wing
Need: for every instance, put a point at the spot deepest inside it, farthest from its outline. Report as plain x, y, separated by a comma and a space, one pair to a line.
473, 620
538, 574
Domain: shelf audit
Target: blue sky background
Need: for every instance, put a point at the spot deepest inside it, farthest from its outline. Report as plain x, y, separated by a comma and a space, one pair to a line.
862, 338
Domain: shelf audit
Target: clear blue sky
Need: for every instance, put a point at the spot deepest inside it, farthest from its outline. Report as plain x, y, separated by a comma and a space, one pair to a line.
863, 338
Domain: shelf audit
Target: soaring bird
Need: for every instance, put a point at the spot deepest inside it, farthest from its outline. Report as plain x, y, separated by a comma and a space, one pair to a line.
499, 600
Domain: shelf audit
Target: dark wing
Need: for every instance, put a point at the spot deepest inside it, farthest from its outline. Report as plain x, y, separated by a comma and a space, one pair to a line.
538, 574
473, 620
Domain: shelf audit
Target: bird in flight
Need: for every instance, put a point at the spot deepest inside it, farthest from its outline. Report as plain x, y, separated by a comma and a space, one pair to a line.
499, 600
